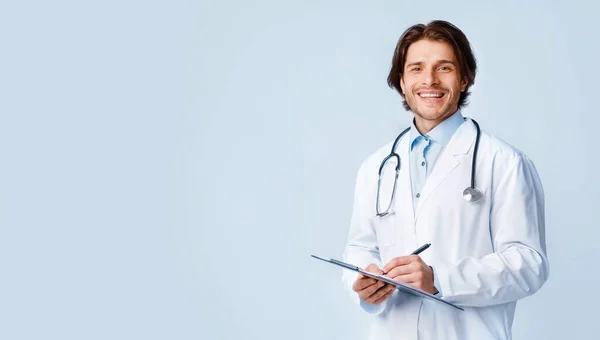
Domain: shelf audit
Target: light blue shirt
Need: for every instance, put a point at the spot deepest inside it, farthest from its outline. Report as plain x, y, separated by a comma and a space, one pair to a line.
425, 149
424, 152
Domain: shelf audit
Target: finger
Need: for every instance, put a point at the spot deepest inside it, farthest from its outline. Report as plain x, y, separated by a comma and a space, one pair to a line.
370, 290
408, 278
363, 278
384, 297
401, 270
399, 261
373, 269
378, 294
414, 269
362, 283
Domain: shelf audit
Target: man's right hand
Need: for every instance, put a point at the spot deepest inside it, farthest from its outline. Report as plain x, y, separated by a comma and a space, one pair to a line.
370, 290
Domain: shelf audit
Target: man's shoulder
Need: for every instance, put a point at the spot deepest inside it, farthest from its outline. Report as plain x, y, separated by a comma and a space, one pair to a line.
503, 152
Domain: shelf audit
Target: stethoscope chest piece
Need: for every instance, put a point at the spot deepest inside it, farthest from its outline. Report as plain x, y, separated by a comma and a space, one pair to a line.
472, 194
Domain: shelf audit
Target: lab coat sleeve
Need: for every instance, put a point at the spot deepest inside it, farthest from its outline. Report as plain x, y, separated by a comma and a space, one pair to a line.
436, 283
518, 267
361, 247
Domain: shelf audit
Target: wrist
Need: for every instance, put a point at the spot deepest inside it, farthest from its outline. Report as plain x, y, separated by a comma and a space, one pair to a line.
435, 290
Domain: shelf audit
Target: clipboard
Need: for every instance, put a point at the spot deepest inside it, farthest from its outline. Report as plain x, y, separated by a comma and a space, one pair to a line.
399, 285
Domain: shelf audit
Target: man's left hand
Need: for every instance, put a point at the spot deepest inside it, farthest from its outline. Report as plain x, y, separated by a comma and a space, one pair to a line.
412, 270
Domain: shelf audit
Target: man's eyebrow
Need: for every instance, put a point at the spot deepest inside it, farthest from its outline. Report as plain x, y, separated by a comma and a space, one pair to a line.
414, 63
443, 61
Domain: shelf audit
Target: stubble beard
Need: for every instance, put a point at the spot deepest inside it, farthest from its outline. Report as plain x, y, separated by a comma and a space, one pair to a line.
445, 111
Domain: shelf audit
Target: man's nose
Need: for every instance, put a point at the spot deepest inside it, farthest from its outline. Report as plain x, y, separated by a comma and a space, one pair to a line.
430, 77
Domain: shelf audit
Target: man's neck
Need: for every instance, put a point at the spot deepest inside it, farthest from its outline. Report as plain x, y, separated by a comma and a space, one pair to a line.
425, 125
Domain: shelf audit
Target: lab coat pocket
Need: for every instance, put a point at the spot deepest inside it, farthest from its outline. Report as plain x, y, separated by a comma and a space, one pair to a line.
386, 229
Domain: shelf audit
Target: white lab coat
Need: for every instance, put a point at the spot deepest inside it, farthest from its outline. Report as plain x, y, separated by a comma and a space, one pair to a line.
485, 255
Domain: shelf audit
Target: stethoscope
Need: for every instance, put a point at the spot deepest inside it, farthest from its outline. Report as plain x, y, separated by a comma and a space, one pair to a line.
471, 193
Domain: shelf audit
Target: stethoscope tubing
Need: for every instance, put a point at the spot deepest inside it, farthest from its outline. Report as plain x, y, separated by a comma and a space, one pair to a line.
397, 170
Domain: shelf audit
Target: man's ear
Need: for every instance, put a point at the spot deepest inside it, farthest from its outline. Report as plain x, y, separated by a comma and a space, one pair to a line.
463, 84
402, 84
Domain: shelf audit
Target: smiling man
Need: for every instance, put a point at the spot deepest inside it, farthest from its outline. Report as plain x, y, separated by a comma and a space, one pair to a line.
478, 200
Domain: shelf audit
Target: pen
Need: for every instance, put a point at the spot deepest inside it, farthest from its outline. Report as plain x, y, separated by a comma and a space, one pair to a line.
423, 247
416, 252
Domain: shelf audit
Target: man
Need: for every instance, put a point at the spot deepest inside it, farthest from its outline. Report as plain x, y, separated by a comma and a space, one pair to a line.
484, 255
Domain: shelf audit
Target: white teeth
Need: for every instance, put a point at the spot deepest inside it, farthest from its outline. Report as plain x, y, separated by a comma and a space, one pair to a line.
431, 95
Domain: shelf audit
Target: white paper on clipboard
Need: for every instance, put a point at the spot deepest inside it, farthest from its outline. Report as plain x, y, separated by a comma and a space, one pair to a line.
399, 285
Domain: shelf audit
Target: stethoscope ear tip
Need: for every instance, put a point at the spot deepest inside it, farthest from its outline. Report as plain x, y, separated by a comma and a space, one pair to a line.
472, 194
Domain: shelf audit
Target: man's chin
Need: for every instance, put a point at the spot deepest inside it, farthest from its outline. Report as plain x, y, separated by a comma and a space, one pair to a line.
430, 114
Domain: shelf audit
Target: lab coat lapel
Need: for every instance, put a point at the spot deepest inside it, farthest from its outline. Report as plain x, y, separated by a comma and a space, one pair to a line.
448, 160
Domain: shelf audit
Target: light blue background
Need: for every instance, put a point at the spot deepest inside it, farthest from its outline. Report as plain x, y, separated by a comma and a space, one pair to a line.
167, 168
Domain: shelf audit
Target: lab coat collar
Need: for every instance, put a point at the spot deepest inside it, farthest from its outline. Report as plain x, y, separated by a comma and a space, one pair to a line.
464, 138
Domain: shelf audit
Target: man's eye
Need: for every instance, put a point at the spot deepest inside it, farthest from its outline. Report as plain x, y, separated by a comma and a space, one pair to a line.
445, 68
416, 69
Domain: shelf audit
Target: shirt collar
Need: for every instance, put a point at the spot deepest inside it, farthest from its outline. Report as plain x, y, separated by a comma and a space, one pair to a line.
442, 133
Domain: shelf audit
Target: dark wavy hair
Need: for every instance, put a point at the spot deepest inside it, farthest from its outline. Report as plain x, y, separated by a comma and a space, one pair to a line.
437, 30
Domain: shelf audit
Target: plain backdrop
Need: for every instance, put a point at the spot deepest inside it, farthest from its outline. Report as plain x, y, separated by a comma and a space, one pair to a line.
168, 167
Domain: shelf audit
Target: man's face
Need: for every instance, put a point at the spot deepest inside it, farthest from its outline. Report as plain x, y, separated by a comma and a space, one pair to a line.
431, 81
